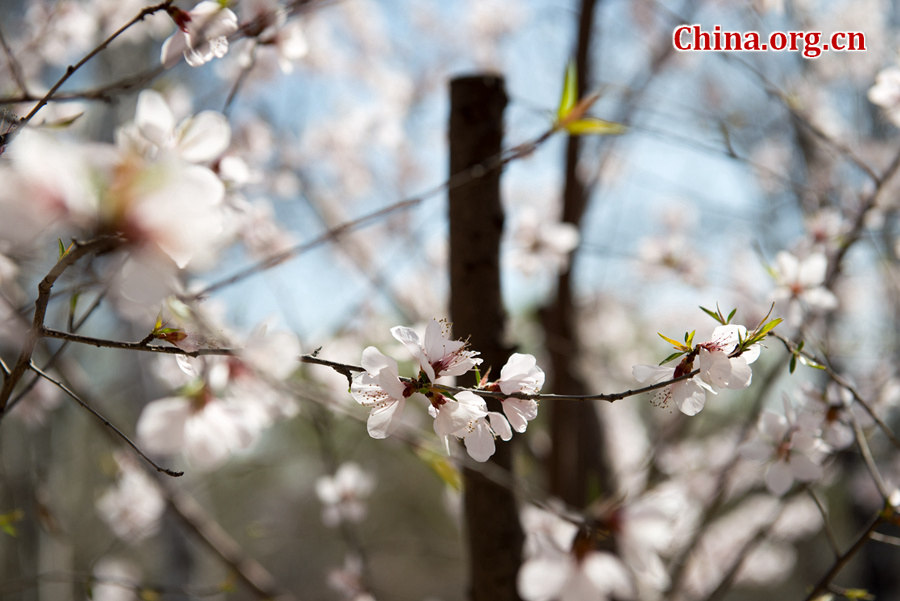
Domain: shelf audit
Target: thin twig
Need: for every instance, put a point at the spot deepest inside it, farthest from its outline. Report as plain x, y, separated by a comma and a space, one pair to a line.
347, 370
71, 69
105, 421
842, 382
829, 533
844, 559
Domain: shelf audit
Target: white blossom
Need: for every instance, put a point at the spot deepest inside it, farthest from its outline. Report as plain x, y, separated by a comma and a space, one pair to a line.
343, 494
520, 374
438, 356
203, 35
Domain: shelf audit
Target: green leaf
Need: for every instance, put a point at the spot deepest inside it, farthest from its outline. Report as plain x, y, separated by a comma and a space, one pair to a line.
8, 521
712, 314
591, 126
793, 364
810, 363
672, 356
569, 92
671, 341
768, 328
731, 315
62, 248
441, 466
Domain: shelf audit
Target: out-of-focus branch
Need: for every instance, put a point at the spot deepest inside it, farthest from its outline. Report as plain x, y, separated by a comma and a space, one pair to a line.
842, 382
844, 559
70, 257
214, 537
106, 422
71, 69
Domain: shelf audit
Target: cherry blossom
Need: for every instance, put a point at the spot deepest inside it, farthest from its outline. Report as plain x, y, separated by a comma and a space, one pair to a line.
114, 580
343, 494
561, 564
520, 374
198, 139
380, 389
886, 93
800, 283
688, 395
133, 507
203, 36
438, 356
792, 451
717, 367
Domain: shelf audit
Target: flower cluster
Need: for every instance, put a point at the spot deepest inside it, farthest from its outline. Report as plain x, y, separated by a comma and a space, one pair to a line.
722, 362
463, 414
794, 445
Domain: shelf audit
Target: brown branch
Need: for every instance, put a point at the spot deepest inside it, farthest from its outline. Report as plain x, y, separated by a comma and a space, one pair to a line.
844, 559
105, 421
76, 252
842, 382
211, 534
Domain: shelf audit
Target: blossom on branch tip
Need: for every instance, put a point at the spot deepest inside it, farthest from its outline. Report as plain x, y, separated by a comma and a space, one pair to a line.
202, 36
437, 355
718, 367
520, 375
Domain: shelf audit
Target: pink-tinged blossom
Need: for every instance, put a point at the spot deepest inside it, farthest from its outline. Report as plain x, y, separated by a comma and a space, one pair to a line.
717, 367
800, 283
203, 35
466, 417
520, 375
561, 565
791, 451
206, 429
437, 356
541, 245
198, 139
343, 495
133, 506
380, 389
688, 395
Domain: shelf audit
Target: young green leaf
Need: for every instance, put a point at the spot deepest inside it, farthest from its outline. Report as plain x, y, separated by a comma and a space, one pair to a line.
569, 92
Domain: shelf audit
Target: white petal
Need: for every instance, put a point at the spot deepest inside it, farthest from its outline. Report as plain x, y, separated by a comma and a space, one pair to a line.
779, 478
519, 412
160, 428
154, 119
480, 442
204, 137
499, 425
383, 420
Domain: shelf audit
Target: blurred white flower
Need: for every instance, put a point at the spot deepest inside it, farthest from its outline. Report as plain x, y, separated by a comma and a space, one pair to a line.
114, 579
800, 283
203, 34
886, 93
561, 565
541, 245
792, 451
198, 139
133, 506
343, 494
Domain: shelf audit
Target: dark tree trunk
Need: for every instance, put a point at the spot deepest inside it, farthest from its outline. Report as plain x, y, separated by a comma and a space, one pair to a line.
494, 534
